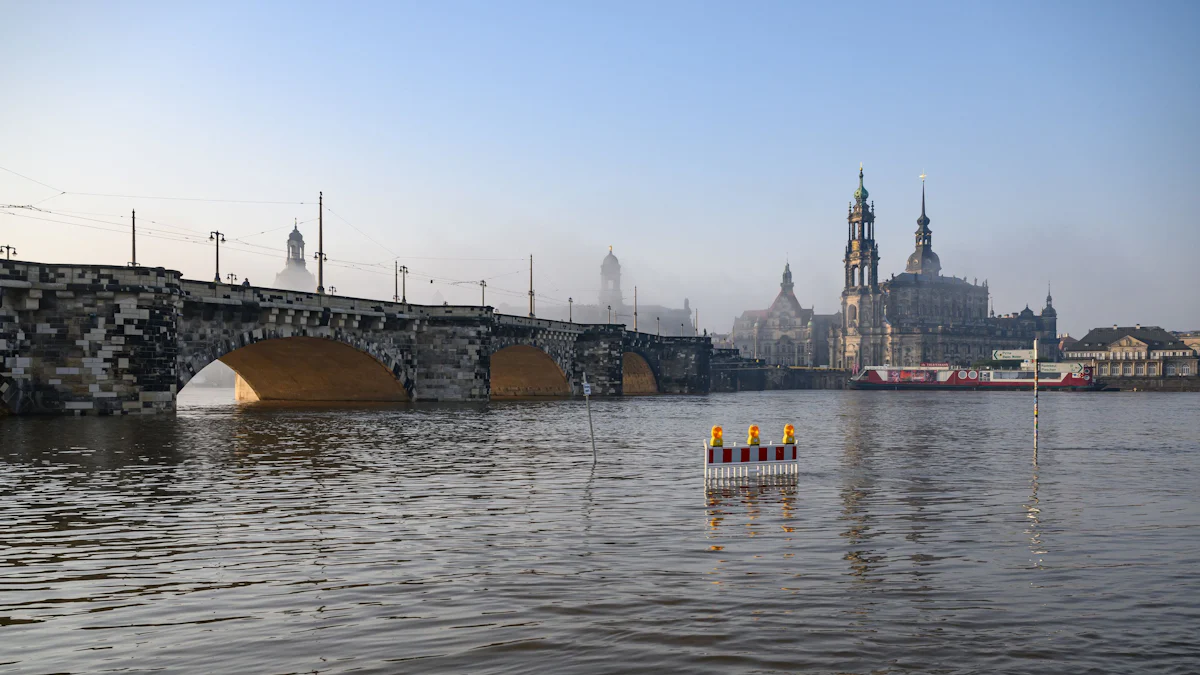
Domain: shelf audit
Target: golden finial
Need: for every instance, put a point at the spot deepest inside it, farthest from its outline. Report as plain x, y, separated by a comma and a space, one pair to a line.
922, 176
610, 249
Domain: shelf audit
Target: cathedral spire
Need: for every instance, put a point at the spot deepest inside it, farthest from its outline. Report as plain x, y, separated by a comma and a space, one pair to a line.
923, 260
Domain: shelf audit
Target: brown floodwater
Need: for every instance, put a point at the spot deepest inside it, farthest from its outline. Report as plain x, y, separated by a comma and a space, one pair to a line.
919, 537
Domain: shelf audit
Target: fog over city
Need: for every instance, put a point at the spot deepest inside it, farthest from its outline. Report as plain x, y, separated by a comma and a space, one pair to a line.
708, 145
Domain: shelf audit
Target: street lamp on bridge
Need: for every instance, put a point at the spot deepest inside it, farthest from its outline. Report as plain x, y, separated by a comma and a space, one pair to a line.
218, 238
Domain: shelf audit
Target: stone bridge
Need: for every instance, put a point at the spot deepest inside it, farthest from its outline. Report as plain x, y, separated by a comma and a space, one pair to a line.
85, 339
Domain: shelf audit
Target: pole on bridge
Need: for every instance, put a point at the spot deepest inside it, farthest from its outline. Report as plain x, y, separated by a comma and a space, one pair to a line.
320, 242
483, 293
571, 310
396, 281
8, 251
635, 309
531, 285
218, 238
133, 235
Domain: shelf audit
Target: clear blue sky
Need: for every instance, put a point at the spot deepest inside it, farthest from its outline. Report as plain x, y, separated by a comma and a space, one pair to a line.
704, 141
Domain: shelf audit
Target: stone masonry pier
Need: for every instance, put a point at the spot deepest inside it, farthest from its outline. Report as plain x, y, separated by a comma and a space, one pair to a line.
87, 339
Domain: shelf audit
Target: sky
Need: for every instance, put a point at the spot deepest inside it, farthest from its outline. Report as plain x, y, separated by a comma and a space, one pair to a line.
708, 143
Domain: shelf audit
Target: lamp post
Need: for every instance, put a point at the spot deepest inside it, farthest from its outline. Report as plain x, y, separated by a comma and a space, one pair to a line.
232, 278
333, 289
531, 285
570, 310
218, 238
320, 255
133, 237
610, 313
658, 326
8, 251
483, 293
681, 329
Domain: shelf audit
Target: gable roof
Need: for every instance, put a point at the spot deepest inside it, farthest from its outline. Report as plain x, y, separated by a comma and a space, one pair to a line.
785, 299
1153, 336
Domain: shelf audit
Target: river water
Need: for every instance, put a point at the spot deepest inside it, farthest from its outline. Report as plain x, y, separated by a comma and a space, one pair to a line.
920, 537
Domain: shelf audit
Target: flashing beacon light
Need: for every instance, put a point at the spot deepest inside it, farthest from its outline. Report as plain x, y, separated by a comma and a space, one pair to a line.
717, 437
789, 434
752, 435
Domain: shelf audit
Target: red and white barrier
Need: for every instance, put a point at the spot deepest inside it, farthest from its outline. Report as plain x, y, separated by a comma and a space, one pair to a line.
750, 461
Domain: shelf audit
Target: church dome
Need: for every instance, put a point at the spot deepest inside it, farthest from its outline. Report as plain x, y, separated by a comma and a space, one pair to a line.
295, 235
1027, 313
923, 261
610, 261
861, 193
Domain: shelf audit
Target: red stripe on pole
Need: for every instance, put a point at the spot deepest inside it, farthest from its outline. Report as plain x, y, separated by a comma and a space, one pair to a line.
779, 454
710, 455
762, 454
726, 455
745, 454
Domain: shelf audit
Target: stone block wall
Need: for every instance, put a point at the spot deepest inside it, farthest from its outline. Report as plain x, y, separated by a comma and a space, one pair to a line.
80, 339
598, 353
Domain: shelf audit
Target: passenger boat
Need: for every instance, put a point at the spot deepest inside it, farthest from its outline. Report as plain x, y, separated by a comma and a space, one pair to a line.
1051, 376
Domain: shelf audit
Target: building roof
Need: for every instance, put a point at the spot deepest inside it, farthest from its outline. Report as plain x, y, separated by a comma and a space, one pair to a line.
785, 300
911, 279
1155, 337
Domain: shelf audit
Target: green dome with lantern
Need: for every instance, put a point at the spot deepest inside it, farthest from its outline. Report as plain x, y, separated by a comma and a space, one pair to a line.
860, 195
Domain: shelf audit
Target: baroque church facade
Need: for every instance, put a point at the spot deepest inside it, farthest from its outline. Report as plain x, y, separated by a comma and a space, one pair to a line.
784, 334
920, 316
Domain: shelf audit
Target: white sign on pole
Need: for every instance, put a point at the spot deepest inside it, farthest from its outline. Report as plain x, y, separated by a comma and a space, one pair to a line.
1060, 367
587, 389
1012, 355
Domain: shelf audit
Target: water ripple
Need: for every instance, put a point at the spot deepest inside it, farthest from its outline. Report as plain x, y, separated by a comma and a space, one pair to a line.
920, 536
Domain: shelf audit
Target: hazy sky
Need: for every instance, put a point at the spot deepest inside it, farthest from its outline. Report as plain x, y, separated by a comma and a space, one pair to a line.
706, 142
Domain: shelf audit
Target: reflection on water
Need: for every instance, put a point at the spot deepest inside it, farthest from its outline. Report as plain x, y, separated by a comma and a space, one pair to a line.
480, 538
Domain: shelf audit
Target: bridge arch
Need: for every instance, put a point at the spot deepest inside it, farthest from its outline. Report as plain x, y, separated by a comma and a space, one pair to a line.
338, 367
637, 375
524, 371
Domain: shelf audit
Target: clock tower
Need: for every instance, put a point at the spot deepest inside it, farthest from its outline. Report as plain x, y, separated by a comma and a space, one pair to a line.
862, 327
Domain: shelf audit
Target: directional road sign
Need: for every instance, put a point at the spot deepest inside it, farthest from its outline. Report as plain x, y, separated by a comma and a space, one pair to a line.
1013, 355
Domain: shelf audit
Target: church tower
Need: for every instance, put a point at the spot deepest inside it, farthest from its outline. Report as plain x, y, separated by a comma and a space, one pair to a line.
610, 282
923, 260
862, 327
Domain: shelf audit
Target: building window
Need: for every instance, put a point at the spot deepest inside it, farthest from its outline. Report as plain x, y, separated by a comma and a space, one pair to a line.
1127, 370
1104, 369
1185, 369
1170, 369
1153, 371
1141, 369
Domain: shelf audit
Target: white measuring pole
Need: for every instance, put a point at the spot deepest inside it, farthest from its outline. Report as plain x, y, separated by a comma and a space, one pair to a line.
587, 392
1036, 374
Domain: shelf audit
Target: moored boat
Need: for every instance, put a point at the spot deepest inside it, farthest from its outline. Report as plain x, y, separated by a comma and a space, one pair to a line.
1050, 376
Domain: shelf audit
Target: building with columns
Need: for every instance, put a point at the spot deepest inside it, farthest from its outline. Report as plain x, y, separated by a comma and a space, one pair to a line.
920, 316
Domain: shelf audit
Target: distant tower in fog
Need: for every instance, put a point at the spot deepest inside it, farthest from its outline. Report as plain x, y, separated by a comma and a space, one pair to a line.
295, 276
610, 281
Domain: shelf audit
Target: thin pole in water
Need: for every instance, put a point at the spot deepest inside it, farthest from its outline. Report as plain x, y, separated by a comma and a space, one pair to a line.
587, 392
1036, 368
